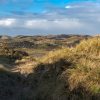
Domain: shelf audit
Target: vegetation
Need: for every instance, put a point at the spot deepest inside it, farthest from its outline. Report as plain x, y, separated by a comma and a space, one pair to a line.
12, 54
70, 74
63, 74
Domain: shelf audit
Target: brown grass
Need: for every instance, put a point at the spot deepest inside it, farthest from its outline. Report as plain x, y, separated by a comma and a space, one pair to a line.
65, 74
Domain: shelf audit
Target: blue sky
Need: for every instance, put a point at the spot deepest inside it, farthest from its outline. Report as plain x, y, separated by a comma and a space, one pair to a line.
31, 17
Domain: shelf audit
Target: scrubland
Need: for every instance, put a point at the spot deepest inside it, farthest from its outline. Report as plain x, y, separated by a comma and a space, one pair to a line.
63, 74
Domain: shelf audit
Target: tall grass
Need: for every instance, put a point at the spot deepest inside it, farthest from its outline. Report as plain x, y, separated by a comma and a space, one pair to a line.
65, 74
75, 71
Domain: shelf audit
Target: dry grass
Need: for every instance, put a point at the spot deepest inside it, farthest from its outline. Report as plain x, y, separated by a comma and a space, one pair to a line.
65, 74
87, 70
82, 75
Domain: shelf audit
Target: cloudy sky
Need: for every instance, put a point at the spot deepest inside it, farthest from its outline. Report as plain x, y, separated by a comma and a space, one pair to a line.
31, 17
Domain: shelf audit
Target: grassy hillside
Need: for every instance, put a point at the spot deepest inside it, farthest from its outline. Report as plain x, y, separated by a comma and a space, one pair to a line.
38, 46
64, 74
69, 74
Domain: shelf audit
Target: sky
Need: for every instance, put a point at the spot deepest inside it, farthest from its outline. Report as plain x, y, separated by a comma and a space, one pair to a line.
42, 17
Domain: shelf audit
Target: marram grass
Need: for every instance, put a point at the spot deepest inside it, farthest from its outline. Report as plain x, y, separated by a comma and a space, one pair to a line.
84, 70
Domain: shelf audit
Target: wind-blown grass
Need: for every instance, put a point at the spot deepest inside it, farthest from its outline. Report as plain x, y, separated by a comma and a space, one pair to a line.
65, 74
76, 72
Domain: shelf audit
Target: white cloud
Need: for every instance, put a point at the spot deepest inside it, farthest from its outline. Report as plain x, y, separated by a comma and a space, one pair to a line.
54, 24
73, 18
85, 18
68, 6
7, 22
37, 23
73, 6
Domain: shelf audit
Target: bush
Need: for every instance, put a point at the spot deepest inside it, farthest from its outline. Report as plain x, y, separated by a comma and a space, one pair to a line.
12, 54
